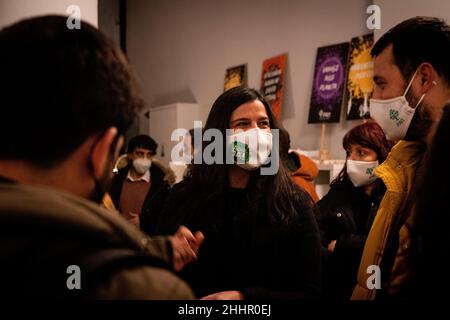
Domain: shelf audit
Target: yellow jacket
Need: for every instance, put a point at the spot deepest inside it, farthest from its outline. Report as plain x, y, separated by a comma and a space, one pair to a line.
398, 174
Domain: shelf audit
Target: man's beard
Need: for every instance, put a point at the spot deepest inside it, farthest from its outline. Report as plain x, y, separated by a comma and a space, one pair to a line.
421, 122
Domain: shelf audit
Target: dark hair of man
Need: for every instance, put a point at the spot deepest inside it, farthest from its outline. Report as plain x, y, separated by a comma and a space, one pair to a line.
278, 191
368, 135
142, 141
418, 40
59, 87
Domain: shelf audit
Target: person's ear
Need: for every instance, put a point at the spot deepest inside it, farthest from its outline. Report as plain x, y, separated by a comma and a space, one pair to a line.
101, 151
427, 76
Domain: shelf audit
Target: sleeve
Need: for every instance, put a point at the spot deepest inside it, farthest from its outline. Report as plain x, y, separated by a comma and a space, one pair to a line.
152, 210
161, 247
173, 211
142, 283
350, 244
323, 219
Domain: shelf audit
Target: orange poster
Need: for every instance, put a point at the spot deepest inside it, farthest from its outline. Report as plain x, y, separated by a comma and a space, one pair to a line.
272, 82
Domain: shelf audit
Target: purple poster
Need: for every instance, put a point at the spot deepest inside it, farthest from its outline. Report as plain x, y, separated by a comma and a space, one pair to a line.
330, 75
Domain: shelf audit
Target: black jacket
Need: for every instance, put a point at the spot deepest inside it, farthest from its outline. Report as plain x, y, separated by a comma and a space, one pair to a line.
243, 250
346, 214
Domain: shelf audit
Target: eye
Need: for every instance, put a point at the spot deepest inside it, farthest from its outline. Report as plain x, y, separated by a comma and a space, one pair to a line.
241, 124
379, 84
264, 124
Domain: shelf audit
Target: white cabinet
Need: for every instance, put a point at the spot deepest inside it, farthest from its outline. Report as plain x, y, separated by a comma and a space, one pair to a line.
165, 119
328, 170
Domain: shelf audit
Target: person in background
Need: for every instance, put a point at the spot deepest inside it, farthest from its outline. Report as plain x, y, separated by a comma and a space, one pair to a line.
261, 238
153, 207
139, 181
303, 170
411, 86
347, 211
56, 242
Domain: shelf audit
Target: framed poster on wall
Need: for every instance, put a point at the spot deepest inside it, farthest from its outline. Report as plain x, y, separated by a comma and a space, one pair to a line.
272, 82
329, 82
360, 77
235, 77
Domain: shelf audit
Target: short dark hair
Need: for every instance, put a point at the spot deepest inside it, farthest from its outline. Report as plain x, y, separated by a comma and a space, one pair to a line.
59, 87
142, 141
418, 40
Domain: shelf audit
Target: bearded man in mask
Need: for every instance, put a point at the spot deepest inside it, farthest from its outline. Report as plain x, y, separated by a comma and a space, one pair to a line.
412, 84
68, 96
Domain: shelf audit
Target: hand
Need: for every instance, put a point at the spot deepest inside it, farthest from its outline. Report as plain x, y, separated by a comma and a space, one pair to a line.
225, 295
332, 245
185, 247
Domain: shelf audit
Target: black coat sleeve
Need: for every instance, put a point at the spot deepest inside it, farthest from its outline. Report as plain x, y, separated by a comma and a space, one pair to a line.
350, 244
153, 211
324, 220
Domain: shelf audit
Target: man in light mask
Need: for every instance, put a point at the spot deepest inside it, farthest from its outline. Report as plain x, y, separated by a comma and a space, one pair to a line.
140, 180
75, 96
412, 77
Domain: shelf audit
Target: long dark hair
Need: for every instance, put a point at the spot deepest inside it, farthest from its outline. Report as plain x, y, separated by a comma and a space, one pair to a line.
278, 192
368, 135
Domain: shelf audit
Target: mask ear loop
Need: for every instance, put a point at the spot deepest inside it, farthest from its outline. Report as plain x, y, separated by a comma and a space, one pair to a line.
420, 100
409, 86
410, 83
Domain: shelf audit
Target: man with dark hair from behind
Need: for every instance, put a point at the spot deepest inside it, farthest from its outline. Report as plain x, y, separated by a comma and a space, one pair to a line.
73, 95
412, 84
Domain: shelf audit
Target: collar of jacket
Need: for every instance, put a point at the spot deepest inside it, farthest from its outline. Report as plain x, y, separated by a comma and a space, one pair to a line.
401, 164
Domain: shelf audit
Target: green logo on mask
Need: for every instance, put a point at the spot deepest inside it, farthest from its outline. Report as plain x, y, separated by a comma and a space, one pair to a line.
241, 152
369, 171
394, 115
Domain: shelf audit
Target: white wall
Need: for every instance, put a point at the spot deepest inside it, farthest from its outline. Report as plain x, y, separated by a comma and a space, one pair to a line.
395, 11
181, 49
13, 10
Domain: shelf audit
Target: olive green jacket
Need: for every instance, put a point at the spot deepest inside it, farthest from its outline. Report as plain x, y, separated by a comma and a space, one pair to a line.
41, 223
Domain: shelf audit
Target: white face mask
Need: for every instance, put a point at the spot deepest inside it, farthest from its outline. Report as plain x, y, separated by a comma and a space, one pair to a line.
361, 172
394, 115
141, 165
251, 148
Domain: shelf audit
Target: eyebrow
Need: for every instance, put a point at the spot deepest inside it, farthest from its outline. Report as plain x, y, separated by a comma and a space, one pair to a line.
247, 119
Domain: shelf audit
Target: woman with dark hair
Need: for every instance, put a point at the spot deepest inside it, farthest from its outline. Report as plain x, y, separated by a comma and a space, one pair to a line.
347, 212
261, 238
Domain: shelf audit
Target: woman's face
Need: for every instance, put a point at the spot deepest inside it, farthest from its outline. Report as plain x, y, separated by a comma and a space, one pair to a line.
357, 152
250, 115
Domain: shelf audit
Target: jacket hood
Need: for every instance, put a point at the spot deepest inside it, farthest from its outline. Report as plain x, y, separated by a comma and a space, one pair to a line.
308, 169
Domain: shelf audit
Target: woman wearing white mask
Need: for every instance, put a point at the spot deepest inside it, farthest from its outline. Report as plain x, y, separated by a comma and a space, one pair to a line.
261, 238
348, 210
